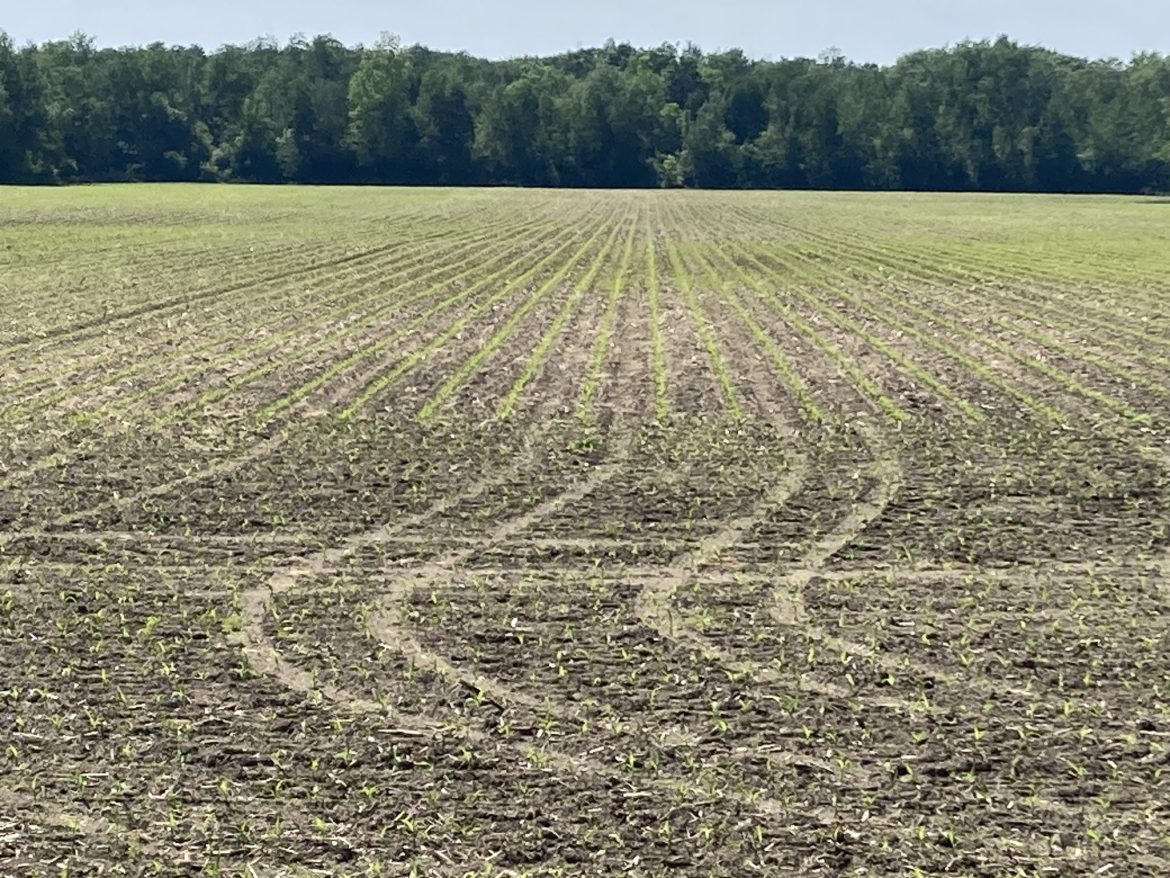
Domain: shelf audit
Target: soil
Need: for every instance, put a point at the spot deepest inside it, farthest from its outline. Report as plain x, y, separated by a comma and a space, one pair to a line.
884, 633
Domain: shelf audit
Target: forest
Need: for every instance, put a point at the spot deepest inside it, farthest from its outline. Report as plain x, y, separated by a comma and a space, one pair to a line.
989, 115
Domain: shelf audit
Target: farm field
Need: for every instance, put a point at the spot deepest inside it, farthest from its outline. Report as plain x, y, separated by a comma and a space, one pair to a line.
531, 533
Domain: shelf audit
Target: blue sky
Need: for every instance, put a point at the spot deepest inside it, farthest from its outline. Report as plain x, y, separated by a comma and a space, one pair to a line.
864, 30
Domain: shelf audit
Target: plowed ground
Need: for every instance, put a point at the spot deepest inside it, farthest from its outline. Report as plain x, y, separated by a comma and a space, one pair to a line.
454, 533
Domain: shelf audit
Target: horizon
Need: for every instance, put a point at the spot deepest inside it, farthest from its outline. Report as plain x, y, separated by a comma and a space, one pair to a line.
405, 43
763, 31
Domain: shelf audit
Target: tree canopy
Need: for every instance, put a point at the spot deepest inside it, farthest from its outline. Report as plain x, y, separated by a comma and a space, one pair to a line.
976, 116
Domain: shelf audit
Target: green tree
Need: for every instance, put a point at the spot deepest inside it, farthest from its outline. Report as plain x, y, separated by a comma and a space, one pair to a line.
980, 115
27, 148
381, 125
617, 126
521, 134
445, 119
710, 157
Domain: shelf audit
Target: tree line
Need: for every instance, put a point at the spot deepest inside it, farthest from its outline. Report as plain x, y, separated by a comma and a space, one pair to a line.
986, 115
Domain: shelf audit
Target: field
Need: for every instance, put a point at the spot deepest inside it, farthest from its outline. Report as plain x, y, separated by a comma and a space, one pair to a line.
519, 533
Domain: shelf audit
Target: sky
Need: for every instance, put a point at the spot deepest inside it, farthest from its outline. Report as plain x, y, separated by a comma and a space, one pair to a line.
864, 30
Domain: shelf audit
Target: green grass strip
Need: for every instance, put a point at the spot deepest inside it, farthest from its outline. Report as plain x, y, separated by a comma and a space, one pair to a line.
544, 346
404, 365
682, 278
908, 366
351, 303
844, 363
363, 353
472, 364
657, 351
605, 332
777, 357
